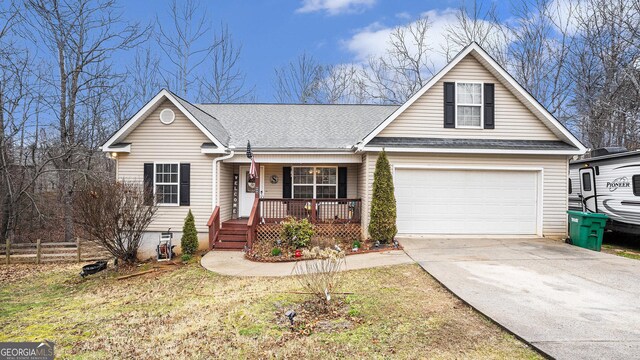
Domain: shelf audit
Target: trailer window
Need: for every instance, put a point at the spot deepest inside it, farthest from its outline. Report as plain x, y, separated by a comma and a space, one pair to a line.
586, 181
635, 180
570, 187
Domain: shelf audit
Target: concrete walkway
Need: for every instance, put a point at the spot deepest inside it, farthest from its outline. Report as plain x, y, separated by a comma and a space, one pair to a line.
233, 263
568, 302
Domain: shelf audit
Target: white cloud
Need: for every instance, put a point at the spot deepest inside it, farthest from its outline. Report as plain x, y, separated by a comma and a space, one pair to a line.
403, 15
335, 7
565, 14
373, 41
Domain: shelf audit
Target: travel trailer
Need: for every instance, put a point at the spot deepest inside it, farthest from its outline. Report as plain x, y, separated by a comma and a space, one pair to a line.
608, 182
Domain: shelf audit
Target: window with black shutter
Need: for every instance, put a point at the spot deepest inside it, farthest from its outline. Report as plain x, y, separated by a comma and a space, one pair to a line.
449, 105
185, 184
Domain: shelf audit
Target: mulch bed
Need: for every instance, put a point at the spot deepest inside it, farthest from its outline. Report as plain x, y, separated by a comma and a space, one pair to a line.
314, 317
261, 253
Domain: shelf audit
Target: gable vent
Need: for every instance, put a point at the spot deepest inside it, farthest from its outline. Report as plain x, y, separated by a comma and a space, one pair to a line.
167, 116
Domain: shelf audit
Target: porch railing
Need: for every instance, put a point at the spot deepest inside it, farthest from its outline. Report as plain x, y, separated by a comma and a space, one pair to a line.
214, 227
252, 223
317, 211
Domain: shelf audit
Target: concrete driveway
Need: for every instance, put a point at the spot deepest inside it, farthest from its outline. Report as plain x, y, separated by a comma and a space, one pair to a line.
568, 302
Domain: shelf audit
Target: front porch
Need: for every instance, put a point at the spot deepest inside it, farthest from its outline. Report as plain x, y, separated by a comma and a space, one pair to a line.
327, 195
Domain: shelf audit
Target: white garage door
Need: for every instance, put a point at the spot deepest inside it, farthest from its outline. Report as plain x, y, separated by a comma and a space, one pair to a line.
466, 201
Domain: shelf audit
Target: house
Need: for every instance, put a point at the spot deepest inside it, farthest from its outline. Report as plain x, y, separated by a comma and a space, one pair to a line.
472, 153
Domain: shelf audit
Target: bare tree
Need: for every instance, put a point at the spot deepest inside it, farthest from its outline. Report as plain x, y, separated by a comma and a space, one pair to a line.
605, 69
538, 51
405, 68
144, 76
115, 216
20, 163
80, 36
338, 85
299, 81
475, 23
224, 82
179, 40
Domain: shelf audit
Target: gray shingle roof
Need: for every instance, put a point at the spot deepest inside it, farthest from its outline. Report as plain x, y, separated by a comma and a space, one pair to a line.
207, 120
301, 126
470, 143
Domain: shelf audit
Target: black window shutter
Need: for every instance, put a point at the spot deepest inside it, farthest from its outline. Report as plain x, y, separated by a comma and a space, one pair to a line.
489, 107
148, 183
185, 184
342, 182
286, 182
449, 105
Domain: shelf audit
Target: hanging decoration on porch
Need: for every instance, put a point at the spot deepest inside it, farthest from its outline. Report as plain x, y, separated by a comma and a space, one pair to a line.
253, 170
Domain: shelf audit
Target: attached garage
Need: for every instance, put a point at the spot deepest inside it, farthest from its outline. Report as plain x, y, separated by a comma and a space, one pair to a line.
471, 201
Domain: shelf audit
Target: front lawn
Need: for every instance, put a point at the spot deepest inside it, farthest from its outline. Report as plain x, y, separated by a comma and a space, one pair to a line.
189, 312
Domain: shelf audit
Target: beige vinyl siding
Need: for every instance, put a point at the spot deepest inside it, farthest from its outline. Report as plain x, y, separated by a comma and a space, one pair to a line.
225, 188
555, 170
274, 191
180, 141
424, 118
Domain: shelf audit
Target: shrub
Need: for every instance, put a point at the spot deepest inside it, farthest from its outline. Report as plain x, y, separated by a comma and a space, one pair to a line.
382, 226
186, 257
297, 233
357, 244
114, 215
321, 276
189, 241
276, 252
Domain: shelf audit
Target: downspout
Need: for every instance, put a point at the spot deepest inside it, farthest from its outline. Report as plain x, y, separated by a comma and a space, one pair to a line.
216, 184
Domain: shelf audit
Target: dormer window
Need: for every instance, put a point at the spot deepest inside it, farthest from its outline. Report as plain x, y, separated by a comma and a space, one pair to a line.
468, 105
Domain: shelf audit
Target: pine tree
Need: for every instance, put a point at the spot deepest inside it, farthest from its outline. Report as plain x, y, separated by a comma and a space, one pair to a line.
382, 225
189, 241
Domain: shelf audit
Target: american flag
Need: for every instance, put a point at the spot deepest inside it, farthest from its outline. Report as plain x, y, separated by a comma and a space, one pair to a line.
253, 169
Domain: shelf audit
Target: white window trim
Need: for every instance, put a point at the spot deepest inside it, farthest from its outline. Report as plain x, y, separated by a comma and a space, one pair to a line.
481, 126
314, 185
163, 183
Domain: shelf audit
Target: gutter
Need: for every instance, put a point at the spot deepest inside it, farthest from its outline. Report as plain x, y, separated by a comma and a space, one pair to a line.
215, 187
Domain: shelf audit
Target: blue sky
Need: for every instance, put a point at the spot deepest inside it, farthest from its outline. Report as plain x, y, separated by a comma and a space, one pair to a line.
274, 32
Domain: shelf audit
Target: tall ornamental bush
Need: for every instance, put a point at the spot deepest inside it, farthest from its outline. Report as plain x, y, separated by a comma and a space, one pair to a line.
189, 241
382, 225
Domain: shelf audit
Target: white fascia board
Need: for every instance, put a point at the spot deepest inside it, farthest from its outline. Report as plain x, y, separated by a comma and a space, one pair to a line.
461, 55
212, 151
152, 104
120, 149
472, 151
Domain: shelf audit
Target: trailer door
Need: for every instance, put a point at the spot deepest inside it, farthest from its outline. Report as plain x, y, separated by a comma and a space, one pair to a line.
588, 190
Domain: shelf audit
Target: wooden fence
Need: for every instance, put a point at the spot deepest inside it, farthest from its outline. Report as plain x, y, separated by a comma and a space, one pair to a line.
41, 252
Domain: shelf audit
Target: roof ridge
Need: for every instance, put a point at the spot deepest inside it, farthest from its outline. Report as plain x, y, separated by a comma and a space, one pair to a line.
294, 104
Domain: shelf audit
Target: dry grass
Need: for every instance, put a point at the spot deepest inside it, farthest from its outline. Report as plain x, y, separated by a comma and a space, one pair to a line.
397, 312
624, 245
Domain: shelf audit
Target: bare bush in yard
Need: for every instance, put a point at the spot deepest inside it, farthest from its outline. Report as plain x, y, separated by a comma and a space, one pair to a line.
322, 275
115, 215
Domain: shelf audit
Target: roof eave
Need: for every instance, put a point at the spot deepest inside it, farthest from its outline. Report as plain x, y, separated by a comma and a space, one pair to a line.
471, 150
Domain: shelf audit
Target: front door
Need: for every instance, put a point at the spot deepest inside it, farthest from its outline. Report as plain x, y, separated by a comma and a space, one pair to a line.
588, 190
248, 191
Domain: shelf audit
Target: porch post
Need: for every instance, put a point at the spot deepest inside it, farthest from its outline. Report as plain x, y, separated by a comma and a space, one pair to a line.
257, 180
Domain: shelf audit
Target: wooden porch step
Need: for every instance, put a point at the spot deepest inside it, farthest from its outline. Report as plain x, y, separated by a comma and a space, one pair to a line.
232, 237
227, 227
233, 231
229, 245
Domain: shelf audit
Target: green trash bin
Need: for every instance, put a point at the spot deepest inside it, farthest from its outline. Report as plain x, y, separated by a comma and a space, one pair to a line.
586, 229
